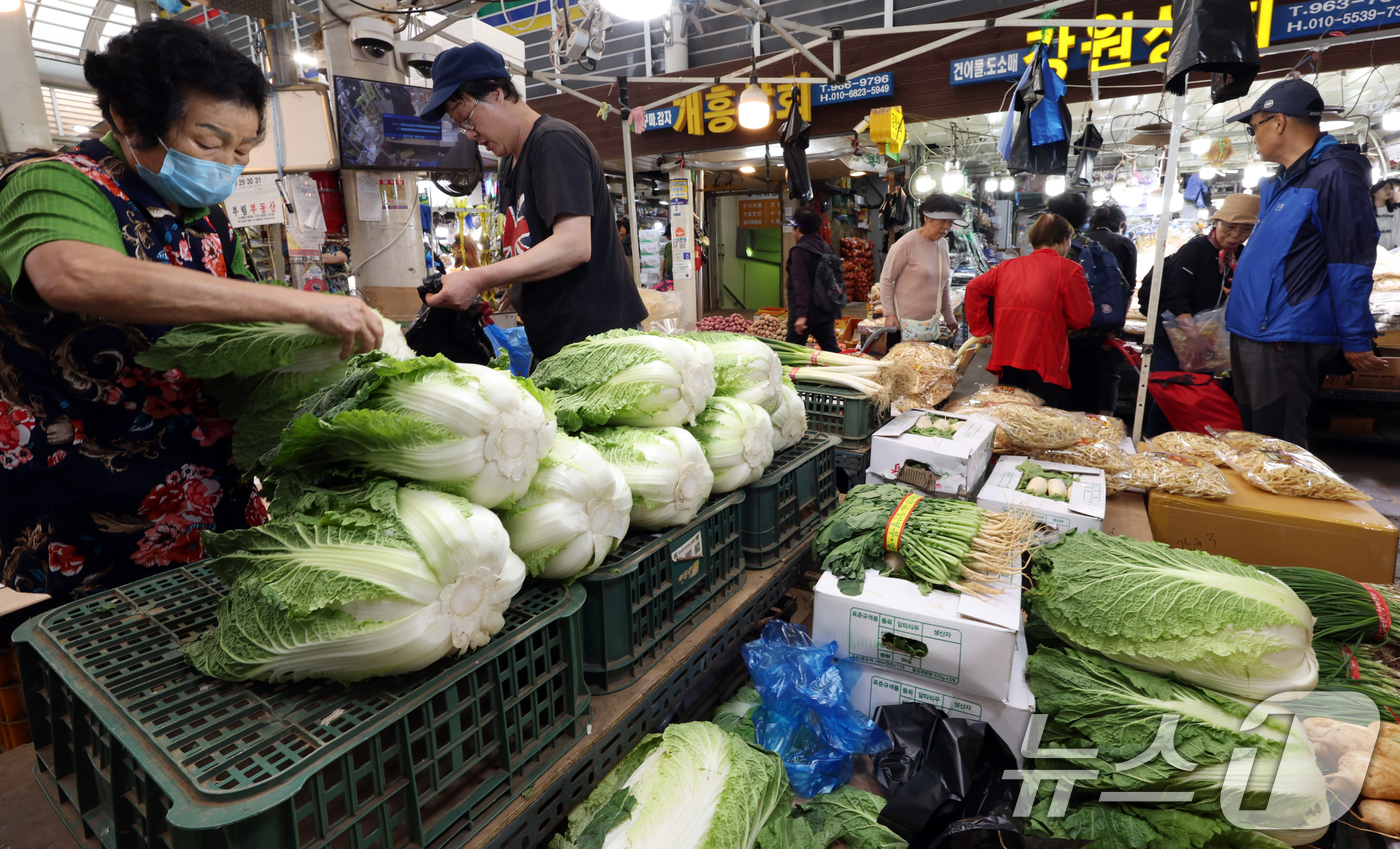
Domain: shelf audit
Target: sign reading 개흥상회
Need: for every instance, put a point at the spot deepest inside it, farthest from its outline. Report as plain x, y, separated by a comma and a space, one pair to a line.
716, 109
1109, 47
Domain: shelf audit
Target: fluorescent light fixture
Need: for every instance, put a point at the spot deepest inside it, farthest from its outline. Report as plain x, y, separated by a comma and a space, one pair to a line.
1201, 145
9, 5
755, 112
1253, 172
1208, 172
990, 186
637, 10
664, 202
1054, 185
857, 173
80, 130
658, 226
953, 182
1390, 122
923, 184
1008, 184
1100, 195
1331, 126
746, 169
1177, 202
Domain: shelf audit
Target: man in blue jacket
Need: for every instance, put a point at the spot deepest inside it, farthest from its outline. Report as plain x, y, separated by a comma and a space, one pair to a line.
1302, 288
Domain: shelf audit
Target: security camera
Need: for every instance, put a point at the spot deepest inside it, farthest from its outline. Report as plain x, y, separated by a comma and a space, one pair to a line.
417, 55
374, 36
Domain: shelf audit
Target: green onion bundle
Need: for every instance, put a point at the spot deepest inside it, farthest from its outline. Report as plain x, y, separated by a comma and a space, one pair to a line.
1354, 668
932, 542
1345, 610
877, 380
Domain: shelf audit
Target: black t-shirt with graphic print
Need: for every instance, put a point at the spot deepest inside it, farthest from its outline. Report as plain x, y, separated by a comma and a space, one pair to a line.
559, 173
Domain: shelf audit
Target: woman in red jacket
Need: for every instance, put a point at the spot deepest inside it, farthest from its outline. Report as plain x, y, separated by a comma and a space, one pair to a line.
1039, 298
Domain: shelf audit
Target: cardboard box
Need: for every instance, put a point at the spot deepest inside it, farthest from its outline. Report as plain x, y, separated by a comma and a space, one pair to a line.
1388, 379
959, 464
1009, 717
1084, 510
1350, 423
1389, 339
1258, 527
966, 643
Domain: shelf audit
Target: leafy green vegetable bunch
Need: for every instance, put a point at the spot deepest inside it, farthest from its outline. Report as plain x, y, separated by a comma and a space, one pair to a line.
945, 542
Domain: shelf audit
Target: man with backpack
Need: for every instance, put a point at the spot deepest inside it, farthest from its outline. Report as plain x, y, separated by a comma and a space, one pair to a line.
1089, 356
816, 287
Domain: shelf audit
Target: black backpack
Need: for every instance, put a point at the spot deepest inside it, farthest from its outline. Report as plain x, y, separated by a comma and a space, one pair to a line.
828, 280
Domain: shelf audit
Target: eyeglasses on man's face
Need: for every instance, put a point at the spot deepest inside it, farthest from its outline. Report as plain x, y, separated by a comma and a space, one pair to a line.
1254, 127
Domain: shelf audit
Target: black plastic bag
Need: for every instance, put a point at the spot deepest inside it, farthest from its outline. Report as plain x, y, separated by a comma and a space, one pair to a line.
1087, 146
793, 136
944, 779
456, 334
1040, 158
1216, 36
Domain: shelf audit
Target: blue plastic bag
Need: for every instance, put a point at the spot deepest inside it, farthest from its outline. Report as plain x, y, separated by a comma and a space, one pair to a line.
807, 717
514, 342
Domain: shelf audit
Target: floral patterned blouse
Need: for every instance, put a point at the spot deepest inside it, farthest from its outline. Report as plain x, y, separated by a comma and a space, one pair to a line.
110, 470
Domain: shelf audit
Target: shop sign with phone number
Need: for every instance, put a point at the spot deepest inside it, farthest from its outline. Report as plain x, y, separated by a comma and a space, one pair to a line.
1109, 47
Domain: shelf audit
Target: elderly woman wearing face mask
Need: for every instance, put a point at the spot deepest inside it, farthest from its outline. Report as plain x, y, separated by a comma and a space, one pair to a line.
113, 470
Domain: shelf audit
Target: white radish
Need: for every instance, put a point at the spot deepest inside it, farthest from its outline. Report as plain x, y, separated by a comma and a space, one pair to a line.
1057, 488
1037, 486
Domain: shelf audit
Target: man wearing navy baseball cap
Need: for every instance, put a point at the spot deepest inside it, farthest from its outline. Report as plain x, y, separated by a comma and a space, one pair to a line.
1302, 287
559, 239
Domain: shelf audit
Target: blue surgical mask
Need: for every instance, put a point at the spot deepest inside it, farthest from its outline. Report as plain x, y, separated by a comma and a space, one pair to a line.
190, 182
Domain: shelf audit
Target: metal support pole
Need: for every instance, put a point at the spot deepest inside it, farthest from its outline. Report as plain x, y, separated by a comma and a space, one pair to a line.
1154, 299
631, 186
23, 123
281, 48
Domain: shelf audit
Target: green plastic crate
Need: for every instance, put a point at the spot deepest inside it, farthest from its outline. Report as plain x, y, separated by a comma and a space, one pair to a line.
844, 413
136, 750
655, 588
783, 507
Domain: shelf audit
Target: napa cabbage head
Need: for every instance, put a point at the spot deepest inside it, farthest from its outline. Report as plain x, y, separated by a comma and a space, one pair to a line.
738, 441
790, 421
627, 377
665, 469
694, 786
467, 429
1210, 620
258, 372
745, 368
354, 582
574, 514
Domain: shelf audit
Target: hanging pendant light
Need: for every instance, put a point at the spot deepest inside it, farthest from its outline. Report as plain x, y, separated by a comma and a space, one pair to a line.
755, 112
1008, 184
990, 185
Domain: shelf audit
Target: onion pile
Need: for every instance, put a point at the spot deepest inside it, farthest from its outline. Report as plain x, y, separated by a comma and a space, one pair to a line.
732, 324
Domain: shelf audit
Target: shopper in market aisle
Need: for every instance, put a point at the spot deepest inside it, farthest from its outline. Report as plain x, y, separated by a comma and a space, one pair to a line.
916, 281
111, 470
561, 240
1107, 227
1197, 278
1387, 209
1302, 288
806, 315
1037, 299
1089, 352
